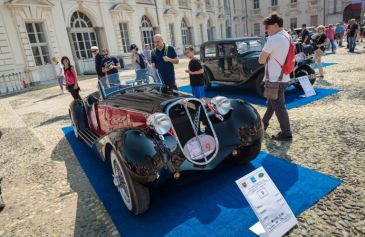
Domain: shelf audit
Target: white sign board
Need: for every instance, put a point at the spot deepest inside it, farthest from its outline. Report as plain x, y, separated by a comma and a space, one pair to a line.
307, 86
274, 214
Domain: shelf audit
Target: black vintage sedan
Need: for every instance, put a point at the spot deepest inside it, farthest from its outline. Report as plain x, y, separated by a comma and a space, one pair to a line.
148, 134
235, 62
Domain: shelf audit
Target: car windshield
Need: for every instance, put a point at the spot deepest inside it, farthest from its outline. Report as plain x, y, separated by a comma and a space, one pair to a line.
119, 82
249, 45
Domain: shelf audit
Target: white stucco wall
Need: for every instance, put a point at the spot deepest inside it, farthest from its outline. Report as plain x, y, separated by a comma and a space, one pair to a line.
16, 56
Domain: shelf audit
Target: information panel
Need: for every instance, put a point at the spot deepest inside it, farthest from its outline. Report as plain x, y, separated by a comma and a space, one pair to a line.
307, 86
274, 214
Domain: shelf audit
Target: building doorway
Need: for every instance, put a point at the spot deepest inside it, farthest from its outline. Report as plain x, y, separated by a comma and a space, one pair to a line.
351, 12
83, 37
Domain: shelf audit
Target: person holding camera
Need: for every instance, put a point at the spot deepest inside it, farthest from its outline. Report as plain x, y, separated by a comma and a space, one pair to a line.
110, 68
320, 41
137, 59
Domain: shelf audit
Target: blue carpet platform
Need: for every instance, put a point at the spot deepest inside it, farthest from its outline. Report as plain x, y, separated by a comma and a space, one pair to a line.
328, 53
203, 204
324, 65
293, 97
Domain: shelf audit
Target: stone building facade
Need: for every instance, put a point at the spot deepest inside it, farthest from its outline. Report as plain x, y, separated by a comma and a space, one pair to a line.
295, 12
33, 31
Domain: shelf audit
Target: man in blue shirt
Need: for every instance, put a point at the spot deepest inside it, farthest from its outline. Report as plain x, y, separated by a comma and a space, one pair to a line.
339, 32
163, 58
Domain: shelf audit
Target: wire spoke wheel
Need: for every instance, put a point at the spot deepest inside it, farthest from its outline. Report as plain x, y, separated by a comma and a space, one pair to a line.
120, 181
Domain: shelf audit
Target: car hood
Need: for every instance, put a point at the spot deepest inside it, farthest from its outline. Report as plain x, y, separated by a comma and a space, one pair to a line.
149, 102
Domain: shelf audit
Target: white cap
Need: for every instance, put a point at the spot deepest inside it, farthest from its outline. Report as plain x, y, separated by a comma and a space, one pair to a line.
94, 48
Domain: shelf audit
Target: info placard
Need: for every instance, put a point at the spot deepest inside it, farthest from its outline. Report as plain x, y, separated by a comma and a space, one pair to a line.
307, 86
273, 212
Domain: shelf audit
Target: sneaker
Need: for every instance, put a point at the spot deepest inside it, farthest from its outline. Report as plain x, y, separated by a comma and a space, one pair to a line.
2, 204
282, 137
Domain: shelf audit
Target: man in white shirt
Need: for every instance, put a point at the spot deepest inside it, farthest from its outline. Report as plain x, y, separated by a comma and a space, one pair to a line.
273, 55
60, 74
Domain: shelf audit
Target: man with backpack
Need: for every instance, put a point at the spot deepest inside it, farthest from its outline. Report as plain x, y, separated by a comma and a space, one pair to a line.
278, 55
137, 59
163, 58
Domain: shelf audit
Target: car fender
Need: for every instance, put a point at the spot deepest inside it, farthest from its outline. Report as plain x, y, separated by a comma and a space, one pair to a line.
77, 113
137, 150
242, 127
256, 73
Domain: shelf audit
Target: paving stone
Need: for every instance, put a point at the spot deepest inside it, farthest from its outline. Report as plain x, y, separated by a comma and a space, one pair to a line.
41, 172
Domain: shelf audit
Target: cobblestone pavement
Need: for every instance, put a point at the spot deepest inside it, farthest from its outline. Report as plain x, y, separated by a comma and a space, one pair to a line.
47, 193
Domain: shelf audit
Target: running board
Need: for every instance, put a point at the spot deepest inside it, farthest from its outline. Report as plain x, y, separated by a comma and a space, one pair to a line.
88, 136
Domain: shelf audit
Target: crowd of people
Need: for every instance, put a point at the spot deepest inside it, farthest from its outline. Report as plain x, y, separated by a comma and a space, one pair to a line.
352, 31
330, 38
163, 56
160, 59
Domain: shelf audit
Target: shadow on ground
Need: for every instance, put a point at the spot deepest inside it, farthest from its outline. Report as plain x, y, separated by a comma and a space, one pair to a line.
47, 98
278, 148
54, 120
90, 219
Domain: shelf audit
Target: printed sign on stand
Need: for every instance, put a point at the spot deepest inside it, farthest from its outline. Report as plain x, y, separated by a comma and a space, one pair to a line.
307, 86
274, 214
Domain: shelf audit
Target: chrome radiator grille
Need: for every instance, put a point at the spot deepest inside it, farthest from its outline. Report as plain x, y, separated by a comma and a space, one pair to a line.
193, 130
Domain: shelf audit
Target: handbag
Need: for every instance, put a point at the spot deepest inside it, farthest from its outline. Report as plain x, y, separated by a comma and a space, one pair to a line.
271, 89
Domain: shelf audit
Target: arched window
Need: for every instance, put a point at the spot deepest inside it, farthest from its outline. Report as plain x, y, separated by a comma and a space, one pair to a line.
80, 20
147, 31
210, 30
185, 34
83, 35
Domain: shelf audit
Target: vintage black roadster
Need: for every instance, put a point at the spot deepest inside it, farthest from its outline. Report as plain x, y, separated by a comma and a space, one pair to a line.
235, 62
149, 134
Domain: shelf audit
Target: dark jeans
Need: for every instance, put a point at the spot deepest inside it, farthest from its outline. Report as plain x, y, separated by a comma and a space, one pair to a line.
352, 43
74, 92
333, 46
278, 107
171, 84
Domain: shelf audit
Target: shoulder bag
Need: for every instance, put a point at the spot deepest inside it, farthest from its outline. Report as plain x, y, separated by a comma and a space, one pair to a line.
271, 89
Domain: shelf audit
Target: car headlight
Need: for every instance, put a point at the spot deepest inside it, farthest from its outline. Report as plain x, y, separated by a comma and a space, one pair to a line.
221, 104
160, 122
